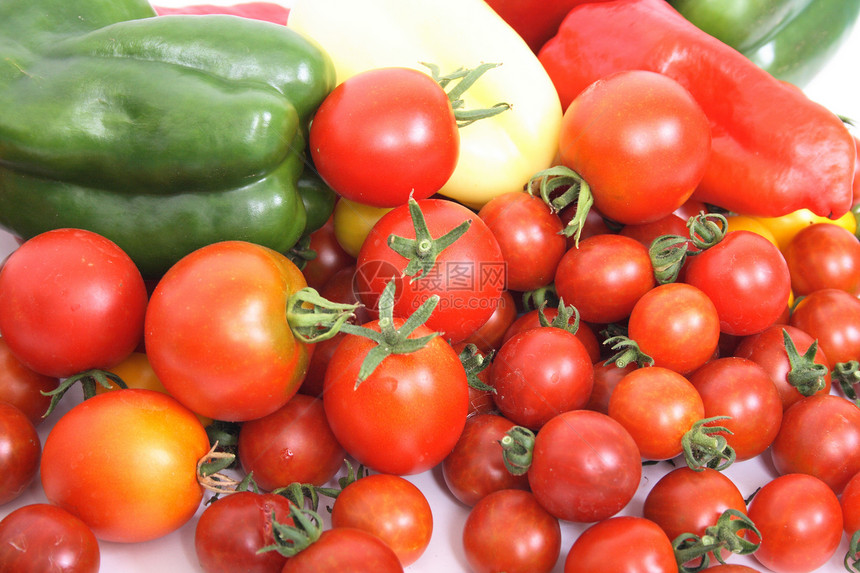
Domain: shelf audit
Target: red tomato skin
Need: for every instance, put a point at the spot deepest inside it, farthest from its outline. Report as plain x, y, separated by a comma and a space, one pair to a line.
623, 544
586, 466
741, 389
819, 436
800, 521
396, 117
531, 319
330, 257
292, 444
490, 335
20, 451
23, 387
154, 458
606, 378
747, 279
249, 363
540, 373
44, 537
656, 133
832, 317
475, 467
530, 237
602, 264
390, 507
509, 531
103, 301
419, 403
850, 502
232, 530
345, 549
823, 255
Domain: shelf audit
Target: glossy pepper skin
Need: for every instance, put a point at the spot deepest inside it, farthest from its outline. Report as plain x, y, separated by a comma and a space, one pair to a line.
774, 151
791, 39
161, 133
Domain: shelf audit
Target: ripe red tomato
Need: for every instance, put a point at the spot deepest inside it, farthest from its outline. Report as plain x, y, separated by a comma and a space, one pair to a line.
823, 255
800, 521
345, 549
832, 317
232, 530
468, 275
819, 436
407, 415
20, 450
531, 319
490, 335
249, 363
529, 234
390, 507
292, 444
44, 537
657, 406
126, 453
509, 531
475, 467
747, 279
645, 233
627, 544
397, 117
607, 375
604, 264
330, 256
94, 321
850, 502
586, 466
658, 137
23, 387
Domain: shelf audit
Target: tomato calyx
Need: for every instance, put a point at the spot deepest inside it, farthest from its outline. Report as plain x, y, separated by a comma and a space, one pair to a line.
852, 561
518, 449
299, 493
465, 78
313, 318
301, 253
88, 380
847, 374
474, 363
541, 296
562, 320
209, 469
291, 539
705, 447
627, 351
560, 187
726, 534
669, 252
423, 250
390, 340
804, 374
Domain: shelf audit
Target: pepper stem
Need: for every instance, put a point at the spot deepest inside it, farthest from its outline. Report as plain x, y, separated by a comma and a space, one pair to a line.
805, 374
313, 318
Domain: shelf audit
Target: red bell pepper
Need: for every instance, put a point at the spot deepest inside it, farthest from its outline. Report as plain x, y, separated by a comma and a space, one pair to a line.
266, 11
774, 150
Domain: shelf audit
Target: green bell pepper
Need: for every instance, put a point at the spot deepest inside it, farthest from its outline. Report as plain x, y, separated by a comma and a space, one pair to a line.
791, 39
163, 134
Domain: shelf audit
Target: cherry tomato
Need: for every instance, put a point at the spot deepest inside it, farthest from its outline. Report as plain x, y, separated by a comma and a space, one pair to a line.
657, 406
784, 228
626, 544
407, 415
509, 531
586, 466
330, 256
742, 390
44, 537
94, 321
820, 436
529, 234
832, 317
126, 453
390, 507
232, 530
292, 444
249, 363
345, 549
20, 450
23, 387
800, 521
824, 256
747, 279
607, 375
658, 137
475, 467
490, 335
531, 319
397, 117
850, 502
645, 233
604, 264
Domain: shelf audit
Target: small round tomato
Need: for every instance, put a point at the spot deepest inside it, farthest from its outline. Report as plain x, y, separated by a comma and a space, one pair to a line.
850, 502
607, 375
93, 321
232, 530
292, 444
399, 118
329, 257
645, 233
509, 531
44, 537
531, 319
475, 467
23, 387
345, 549
785, 227
490, 335
625, 543
390, 507
657, 135
824, 256
126, 453
832, 317
800, 521
20, 450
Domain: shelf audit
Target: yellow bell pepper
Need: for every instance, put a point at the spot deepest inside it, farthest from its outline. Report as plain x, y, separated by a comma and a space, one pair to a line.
497, 154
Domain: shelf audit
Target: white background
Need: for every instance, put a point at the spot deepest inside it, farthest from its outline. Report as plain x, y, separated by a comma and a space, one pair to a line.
837, 87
